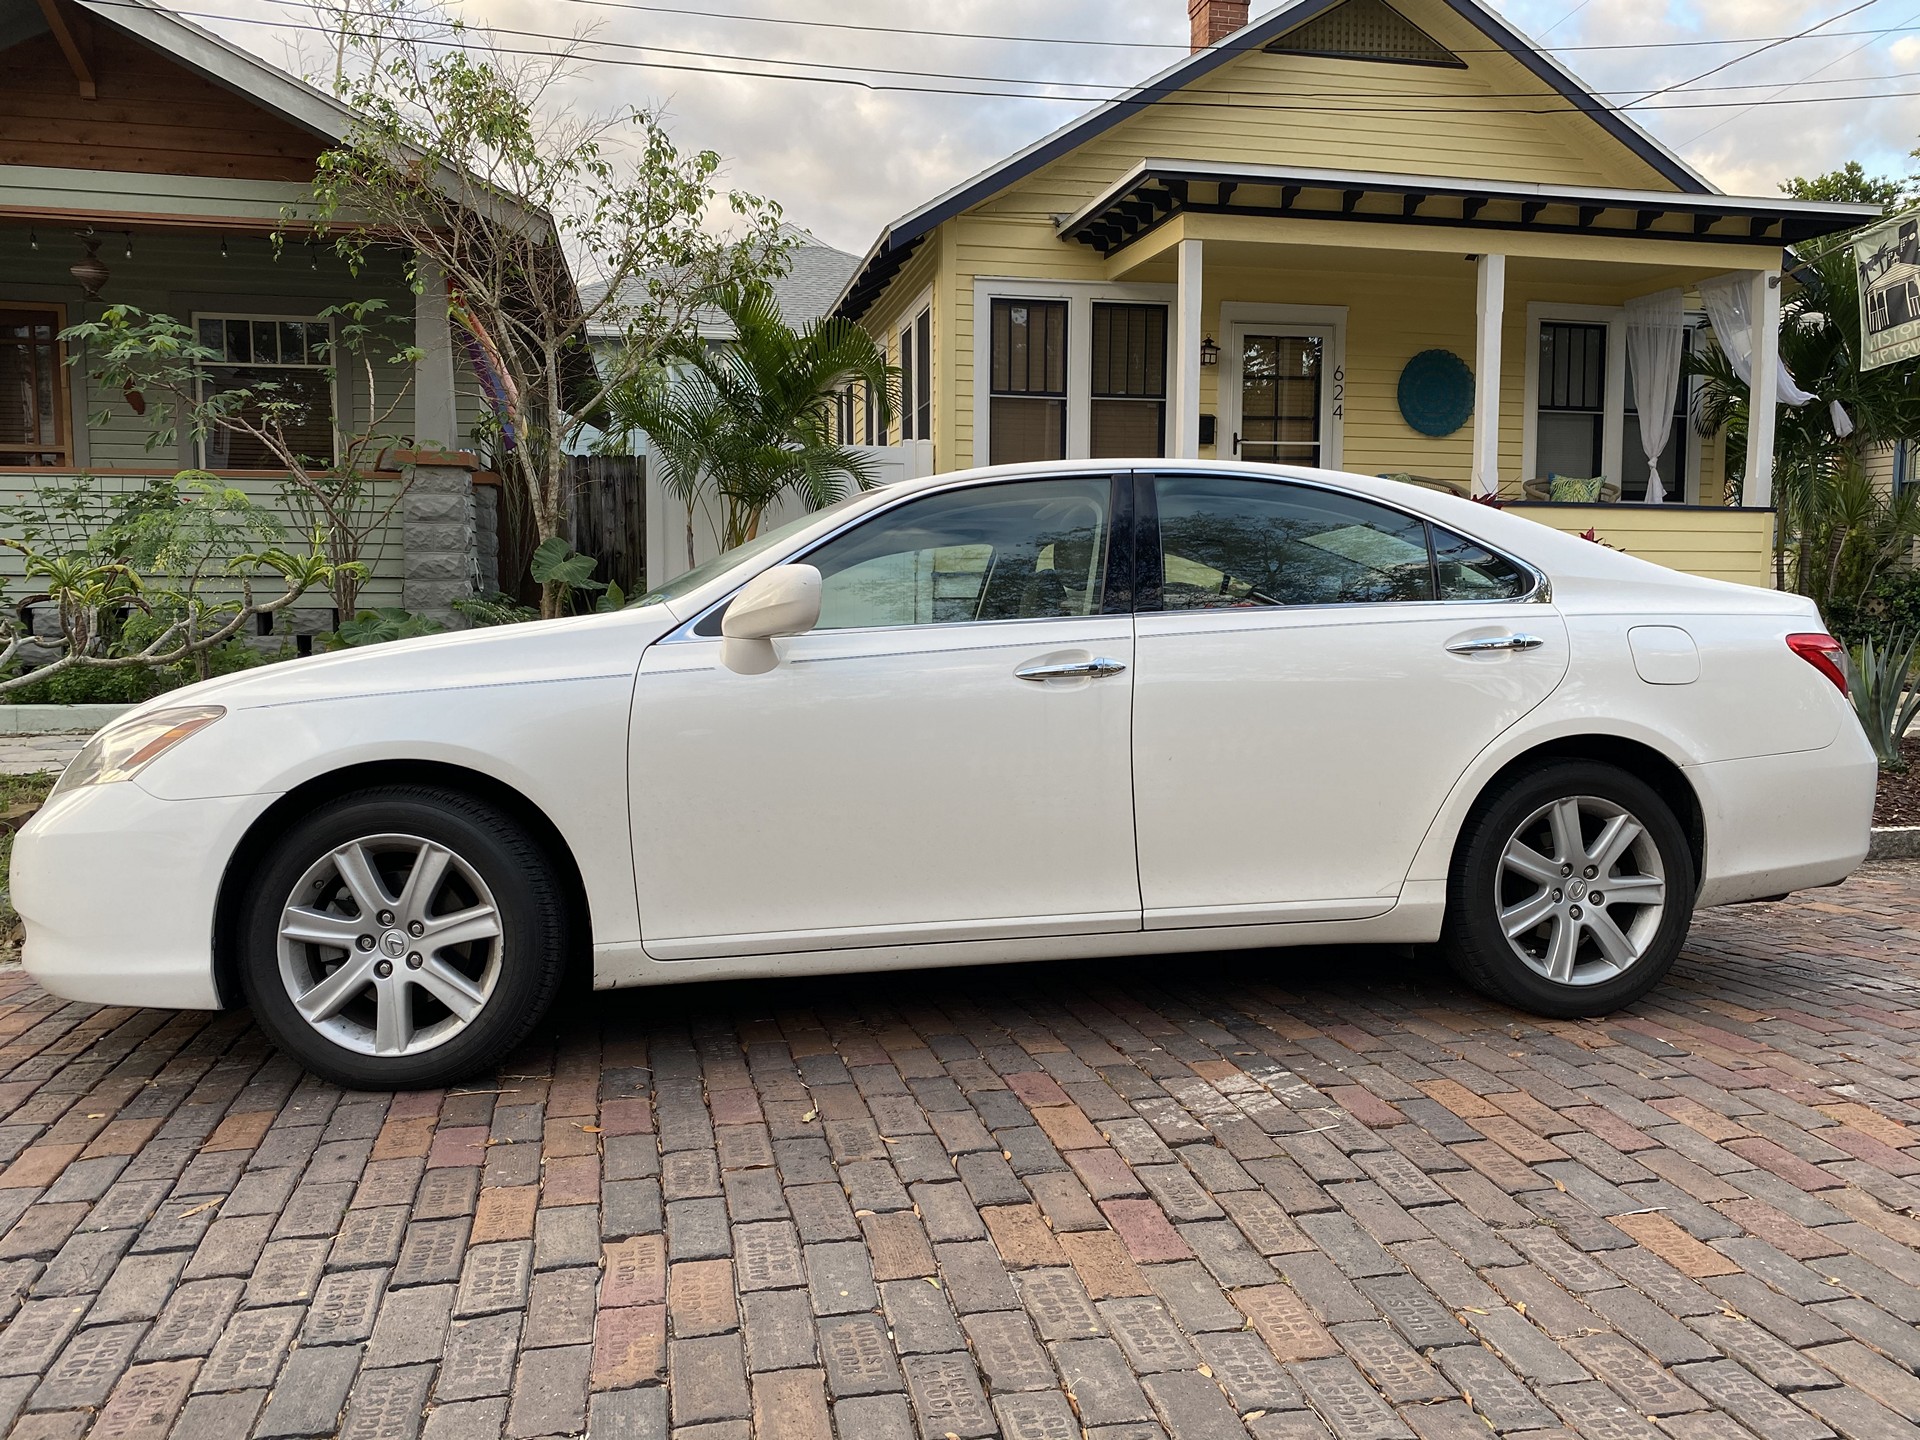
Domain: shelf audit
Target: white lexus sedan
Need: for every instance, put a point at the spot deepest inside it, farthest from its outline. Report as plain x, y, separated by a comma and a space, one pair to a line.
1025, 713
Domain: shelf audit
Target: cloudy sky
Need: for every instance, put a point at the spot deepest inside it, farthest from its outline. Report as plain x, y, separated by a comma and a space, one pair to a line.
843, 159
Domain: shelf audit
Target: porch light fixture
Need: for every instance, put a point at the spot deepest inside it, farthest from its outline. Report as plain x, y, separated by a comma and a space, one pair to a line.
1209, 353
91, 271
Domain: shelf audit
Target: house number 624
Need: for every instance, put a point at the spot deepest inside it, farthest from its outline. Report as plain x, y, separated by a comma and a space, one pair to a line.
1339, 391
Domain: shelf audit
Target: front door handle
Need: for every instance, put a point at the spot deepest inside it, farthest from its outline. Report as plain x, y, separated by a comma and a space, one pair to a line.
1495, 642
1071, 669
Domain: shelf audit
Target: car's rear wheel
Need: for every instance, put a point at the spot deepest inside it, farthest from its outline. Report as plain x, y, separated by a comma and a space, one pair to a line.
1572, 891
403, 936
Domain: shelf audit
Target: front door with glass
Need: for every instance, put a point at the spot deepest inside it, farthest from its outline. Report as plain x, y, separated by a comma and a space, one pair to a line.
1285, 396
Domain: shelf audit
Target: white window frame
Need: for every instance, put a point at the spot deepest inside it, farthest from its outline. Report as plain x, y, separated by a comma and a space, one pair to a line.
1326, 321
1613, 425
1079, 296
199, 446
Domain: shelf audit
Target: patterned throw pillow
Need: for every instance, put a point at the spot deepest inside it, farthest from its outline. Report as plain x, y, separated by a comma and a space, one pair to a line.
1575, 490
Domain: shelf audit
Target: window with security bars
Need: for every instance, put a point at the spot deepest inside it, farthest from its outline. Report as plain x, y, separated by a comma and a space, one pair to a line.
278, 371
1572, 403
33, 422
1129, 409
1028, 381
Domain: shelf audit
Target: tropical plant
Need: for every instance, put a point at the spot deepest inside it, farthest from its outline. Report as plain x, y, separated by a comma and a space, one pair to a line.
747, 422
464, 157
499, 608
378, 626
159, 579
1833, 534
1880, 689
344, 497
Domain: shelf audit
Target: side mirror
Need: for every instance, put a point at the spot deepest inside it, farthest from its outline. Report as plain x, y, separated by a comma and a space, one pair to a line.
782, 601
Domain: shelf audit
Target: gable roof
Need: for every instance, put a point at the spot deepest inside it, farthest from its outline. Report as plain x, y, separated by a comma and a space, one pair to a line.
898, 241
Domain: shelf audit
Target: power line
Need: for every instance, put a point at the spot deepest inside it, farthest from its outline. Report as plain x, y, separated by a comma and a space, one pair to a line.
1750, 54
923, 33
1166, 94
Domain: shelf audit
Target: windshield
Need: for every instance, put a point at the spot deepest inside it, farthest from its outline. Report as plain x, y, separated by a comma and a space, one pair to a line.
720, 564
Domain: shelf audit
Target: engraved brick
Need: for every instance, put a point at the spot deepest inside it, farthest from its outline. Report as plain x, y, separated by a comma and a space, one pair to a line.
479, 1358
1286, 1322
1349, 1405
634, 1272
145, 1401
629, 1346
494, 1277
1004, 1344
947, 1396
250, 1349
858, 1357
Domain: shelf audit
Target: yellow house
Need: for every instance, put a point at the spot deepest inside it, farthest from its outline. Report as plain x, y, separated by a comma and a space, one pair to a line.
1392, 238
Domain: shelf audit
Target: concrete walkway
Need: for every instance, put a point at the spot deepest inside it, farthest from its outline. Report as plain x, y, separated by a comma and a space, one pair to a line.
28, 754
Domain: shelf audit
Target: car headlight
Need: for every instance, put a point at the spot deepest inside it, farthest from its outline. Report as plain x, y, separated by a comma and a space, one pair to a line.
121, 751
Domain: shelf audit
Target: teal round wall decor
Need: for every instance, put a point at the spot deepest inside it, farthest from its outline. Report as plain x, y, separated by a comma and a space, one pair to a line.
1436, 392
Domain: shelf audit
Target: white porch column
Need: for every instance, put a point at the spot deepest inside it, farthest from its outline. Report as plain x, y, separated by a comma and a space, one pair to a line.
1763, 307
1490, 314
435, 425
1184, 442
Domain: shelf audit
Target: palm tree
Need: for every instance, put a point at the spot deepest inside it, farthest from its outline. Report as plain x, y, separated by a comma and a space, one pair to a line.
746, 422
1835, 532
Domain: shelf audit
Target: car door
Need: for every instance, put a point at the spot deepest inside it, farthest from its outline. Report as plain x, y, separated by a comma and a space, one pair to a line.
945, 756
1313, 674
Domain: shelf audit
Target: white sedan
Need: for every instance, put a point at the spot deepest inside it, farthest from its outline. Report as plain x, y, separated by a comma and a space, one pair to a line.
1015, 714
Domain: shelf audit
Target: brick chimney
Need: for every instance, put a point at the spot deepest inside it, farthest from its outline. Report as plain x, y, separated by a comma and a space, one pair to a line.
1214, 20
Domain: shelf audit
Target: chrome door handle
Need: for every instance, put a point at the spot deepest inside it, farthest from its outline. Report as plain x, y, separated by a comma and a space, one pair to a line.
1495, 642
1071, 669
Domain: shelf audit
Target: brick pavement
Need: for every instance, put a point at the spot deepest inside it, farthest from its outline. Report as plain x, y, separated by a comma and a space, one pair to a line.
1198, 1197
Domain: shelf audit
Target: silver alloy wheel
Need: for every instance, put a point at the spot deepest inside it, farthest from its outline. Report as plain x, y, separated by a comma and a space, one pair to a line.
390, 945
1581, 890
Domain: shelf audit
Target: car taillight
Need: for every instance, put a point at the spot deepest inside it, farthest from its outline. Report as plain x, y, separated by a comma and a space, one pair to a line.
1825, 654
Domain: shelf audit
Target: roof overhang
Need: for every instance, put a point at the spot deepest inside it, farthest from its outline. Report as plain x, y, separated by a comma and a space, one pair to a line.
1154, 191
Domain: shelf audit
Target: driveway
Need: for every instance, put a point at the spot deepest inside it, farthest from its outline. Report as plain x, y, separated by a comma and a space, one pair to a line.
1285, 1194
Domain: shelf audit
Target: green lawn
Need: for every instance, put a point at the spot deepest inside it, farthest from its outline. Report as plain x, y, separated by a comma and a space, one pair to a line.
17, 792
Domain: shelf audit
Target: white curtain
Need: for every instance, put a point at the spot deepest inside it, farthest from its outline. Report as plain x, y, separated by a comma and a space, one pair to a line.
1725, 298
1656, 335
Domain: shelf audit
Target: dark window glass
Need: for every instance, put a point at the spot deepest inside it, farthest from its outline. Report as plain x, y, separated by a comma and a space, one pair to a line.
1571, 421
1028, 381
32, 429
1230, 543
1027, 550
1467, 570
277, 369
923, 376
1129, 412
906, 383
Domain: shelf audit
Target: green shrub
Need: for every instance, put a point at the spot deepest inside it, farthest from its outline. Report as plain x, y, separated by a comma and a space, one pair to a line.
1891, 605
85, 686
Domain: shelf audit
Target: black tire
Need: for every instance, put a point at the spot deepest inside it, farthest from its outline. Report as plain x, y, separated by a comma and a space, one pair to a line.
524, 965
1474, 940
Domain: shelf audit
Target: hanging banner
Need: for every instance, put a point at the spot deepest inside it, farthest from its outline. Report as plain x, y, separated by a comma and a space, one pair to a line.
1888, 256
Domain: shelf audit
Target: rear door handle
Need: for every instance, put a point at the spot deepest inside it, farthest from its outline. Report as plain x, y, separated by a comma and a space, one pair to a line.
1495, 642
1071, 669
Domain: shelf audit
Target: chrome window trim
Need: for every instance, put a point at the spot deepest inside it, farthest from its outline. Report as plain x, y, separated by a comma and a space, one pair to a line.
1541, 592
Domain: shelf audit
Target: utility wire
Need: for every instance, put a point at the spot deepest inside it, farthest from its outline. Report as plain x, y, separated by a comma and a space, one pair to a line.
1163, 94
1750, 54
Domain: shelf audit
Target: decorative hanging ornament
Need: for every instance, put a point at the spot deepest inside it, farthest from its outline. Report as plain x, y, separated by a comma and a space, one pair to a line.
92, 272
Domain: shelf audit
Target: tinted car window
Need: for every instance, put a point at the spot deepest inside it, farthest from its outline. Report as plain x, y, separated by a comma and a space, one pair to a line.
1016, 551
1467, 570
1228, 542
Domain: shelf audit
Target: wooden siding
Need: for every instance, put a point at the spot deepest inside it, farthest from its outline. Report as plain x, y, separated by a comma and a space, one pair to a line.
151, 114
1721, 544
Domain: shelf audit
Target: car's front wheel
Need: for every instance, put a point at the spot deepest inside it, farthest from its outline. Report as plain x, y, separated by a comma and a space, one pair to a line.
1572, 891
403, 936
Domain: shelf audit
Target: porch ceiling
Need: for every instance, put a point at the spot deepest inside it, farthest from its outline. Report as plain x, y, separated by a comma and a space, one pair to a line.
1157, 190
1225, 258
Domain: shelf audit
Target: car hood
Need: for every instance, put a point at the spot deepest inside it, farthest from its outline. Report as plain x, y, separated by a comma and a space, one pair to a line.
575, 648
